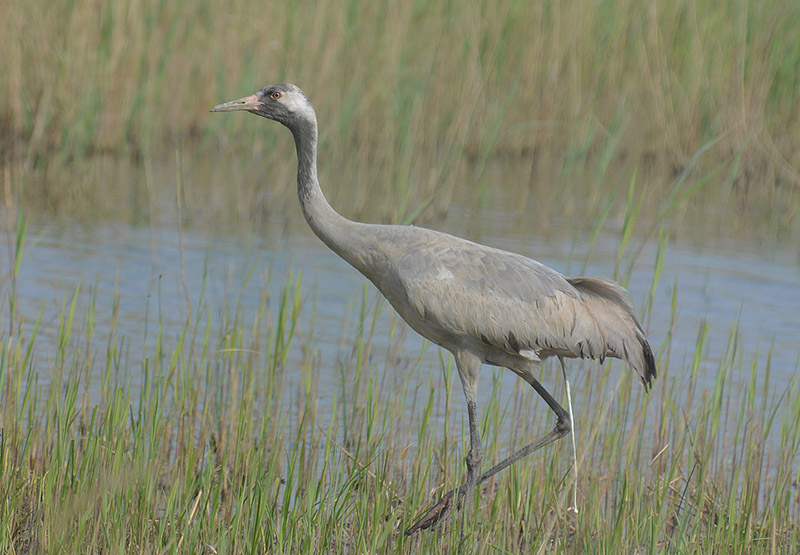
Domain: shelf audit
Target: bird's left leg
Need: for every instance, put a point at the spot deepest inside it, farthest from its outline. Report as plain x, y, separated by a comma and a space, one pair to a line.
475, 454
469, 367
468, 370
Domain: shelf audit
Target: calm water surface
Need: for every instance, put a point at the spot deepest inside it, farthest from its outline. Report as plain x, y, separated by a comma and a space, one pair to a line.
731, 288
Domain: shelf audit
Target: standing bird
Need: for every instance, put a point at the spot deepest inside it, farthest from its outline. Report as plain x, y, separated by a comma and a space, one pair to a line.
484, 305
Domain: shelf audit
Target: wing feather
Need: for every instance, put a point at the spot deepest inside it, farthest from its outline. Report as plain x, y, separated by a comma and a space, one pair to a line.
463, 291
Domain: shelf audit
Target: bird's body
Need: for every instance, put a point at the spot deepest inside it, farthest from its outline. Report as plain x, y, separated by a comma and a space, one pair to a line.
484, 305
506, 309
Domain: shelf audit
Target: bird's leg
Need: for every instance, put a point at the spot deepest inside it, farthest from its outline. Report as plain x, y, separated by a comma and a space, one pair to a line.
468, 370
474, 458
574, 507
563, 427
475, 455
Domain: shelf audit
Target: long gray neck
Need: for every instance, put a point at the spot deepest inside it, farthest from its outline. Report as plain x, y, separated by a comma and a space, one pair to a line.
336, 231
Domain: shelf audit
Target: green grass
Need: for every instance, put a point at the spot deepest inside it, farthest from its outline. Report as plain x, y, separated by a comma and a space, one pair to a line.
218, 442
421, 98
214, 440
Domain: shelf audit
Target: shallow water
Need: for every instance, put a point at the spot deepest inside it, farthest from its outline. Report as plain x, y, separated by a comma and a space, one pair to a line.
724, 285
719, 281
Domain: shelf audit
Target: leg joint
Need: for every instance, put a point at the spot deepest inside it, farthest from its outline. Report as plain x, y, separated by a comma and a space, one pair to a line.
474, 458
564, 424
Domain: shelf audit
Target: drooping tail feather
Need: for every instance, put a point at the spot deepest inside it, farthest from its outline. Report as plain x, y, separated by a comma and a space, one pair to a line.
649, 363
616, 318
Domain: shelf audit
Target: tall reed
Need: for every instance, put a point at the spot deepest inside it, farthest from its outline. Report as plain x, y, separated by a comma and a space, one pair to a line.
215, 440
421, 96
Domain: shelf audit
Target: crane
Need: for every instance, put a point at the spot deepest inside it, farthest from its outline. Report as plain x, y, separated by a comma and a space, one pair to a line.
484, 305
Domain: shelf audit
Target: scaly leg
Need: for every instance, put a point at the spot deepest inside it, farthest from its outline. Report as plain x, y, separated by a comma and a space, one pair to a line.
474, 458
468, 371
562, 428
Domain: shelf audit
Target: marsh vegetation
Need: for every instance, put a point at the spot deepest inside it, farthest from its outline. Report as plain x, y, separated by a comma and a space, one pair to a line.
184, 369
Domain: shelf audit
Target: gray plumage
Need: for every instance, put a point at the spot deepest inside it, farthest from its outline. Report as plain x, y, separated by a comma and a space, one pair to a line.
484, 305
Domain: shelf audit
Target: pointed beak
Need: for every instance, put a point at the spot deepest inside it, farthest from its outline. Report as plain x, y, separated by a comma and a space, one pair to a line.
247, 103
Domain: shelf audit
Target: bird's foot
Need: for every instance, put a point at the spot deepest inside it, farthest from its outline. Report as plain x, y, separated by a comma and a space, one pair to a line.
432, 515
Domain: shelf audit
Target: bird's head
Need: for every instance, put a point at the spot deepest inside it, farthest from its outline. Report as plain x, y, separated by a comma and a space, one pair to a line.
284, 103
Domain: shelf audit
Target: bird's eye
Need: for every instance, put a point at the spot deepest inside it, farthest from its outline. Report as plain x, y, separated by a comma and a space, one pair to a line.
276, 95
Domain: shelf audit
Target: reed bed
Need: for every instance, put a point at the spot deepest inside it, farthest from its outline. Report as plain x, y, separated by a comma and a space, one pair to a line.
420, 97
214, 440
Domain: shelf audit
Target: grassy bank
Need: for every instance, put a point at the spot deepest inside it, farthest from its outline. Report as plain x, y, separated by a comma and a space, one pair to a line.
421, 97
214, 440
82, 78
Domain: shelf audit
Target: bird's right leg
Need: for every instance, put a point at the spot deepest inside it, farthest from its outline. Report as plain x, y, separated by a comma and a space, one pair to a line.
563, 427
